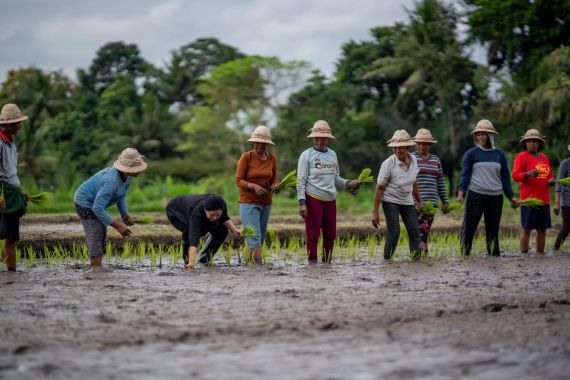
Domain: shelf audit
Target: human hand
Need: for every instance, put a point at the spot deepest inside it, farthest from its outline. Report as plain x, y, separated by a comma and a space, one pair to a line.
303, 211
552, 181
189, 266
2, 202
127, 219
419, 206
238, 234
445, 208
121, 228
531, 173
259, 190
514, 202
556, 209
275, 188
460, 197
375, 219
25, 195
352, 186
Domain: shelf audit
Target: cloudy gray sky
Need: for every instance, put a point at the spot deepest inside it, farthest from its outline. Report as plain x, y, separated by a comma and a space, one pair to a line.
65, 34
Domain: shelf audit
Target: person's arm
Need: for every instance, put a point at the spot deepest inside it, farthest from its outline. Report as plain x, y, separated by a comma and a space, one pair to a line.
519, 174
441, 191
302, 177
416, 194
377, 198
557, 202
232, 227
465, 174
339, 182
506, 181
192, 252
101, 202
275, 177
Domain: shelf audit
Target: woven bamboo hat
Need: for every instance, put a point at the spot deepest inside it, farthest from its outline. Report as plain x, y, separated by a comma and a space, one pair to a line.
321, 129
400, 138
533, 134
11, 114
486, 126
261, 134
424, 136
130, 161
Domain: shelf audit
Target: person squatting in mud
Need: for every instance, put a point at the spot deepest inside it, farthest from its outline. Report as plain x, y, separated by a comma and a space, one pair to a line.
99, 192
13, 203
195, 216
318, 178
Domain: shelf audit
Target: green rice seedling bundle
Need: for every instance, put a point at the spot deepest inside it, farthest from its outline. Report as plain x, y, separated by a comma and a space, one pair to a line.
530, 202
564, 181
365, 176
429, 209
454, 206
289, 182
143, 220
39, 199
248, 232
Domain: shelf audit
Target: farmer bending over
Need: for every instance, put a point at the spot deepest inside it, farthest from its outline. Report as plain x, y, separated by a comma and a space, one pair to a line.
196, 215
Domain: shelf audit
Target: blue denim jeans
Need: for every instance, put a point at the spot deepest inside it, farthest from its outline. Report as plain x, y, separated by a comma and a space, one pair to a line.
256, 216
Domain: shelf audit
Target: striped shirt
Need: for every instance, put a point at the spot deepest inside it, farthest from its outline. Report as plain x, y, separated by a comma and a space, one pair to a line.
564, 190
431, 182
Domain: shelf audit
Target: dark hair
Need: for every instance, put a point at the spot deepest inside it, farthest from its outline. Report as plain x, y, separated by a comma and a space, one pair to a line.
214, 202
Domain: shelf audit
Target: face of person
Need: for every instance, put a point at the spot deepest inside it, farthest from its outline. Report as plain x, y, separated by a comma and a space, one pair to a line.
259, 148
213, 215
482, 138
12, 129
401, 152
423, 148
532, 145
320, 142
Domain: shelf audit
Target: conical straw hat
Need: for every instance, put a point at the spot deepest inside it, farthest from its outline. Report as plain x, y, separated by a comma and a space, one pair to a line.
424, 136
11, 114
261, 134
400, 138
321, 129
532, 134
130, 161
486, 126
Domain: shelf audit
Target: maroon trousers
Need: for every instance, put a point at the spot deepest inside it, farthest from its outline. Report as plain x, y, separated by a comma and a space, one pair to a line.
320, 215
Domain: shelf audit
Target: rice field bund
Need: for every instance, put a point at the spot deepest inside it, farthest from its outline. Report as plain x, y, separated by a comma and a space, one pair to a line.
361, 317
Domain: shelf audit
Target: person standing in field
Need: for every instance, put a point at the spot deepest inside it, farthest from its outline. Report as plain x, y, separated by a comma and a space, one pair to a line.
256, 177
13, 203
562, 202
397, 188
106, 188
431, 183
534, 174
318, 178
195, 216
484, 178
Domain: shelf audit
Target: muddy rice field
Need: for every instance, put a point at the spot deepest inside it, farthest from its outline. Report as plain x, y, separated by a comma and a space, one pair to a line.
472, 318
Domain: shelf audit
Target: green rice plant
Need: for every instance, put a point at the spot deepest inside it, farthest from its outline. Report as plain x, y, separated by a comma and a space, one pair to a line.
227, 254
274, 241
39, 199
564, 181
289, 182
530, 202
372, 243
152, 252
248, 232
454, 206
364, 176
265, 254
429, 209
161, 250
143, 220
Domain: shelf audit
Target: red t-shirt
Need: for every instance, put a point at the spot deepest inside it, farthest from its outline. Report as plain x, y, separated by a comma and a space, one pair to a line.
533, 187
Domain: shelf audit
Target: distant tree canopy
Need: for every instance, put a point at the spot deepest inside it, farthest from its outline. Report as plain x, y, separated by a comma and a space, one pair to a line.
191, 117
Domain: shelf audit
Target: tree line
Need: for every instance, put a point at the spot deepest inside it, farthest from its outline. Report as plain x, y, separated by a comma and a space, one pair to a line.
191, 117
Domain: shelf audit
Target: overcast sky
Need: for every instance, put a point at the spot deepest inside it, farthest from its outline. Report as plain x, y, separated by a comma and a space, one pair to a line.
65, 34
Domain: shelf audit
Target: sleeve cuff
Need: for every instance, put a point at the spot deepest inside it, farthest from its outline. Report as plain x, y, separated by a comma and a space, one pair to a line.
302, 202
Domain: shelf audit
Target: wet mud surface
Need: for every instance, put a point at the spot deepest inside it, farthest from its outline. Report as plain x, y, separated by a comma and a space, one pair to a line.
477, 318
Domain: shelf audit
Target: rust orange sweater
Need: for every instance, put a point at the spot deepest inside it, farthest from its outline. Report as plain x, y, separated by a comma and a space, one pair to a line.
252, 169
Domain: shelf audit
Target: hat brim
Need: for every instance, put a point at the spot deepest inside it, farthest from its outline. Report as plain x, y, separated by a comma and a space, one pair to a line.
397, 144
325, 135
130, 169
484, 130
424, 141
258, 140
17, 120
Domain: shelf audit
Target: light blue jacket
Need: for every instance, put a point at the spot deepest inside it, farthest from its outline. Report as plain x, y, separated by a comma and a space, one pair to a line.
103, 190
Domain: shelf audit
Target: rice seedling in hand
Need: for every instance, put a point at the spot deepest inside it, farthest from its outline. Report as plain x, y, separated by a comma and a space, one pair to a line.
289, 182
363, 177
564, 181
454, 206
429, 209
39, 199
248, 231
143, 220
530, 202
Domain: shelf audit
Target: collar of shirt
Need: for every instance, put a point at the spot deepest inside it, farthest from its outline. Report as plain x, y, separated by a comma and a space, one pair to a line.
322, 151
4, 137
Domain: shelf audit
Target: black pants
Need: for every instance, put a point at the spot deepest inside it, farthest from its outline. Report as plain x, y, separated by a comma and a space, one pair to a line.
392, 213
565, 211
213, 244
477, 205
